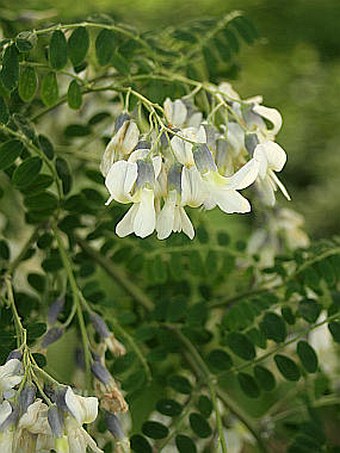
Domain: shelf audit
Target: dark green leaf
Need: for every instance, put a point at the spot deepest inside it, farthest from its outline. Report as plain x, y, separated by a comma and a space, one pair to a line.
74, 96
334, 328
77, 130
139, 444
219, 360
169, 407
49, 89
58, 50
248, 385
307, 356
199, 425
155, 430
120, 63
180, 384
4, 250
78, 45
184, 444
46, 146
27, 172
274, 327
264, 377
288, 315
309, 310
105, 44
241, 345
287, 367
4, 113
9, 74
35, 331
205, 406
40, 359
9, 152
40, 183
28, 83
45, 241
64, 174
41, 202
37, 281
25, 41
245, 29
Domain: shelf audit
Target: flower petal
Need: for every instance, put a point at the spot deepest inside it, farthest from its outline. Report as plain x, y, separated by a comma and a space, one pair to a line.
145, 219
271, 115
120, 180
83, 409
192, 187
230, 201
245, 176
5, 411
166, 218
186, 224
125, 226
10, 374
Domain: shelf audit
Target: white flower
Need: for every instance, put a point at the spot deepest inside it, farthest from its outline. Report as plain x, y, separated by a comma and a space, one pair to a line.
193, 193
173, 218
183, 148
271, 115
141, 217
11, 374
121, 144
79, 440
83, 409
271, 158
120, 180
175, 112
5, 411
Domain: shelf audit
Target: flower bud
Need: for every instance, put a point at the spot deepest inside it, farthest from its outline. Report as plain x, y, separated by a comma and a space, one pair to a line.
100, 325
114, 426
203, 158
121, 120
51, 336
175, 177
27, 396
55, 309
56, 422
101, 372
15, 354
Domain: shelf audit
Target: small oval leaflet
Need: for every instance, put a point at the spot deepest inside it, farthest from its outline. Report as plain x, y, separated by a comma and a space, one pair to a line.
199, 425
184, 444
28, 84
9, 152
307, 356
241, 345
49, 89
169, 407
74, 96
64, 174
78, 45
248, 385
139, 444
155, 430
27, 172
10, 68
58, 50
105, 44
264, 377
4, 113
274, 327
287, 367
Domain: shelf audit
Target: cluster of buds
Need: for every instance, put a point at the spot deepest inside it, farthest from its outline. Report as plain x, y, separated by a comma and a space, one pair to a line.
192, 161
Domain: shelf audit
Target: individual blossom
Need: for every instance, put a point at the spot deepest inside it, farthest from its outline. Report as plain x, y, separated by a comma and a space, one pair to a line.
271, 158
11, 374
222, 191
181, 113
122, 143
172, 217
6, 427
108, 338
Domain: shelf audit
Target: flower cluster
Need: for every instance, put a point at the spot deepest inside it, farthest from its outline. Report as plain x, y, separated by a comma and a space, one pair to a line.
187, 160
28, 424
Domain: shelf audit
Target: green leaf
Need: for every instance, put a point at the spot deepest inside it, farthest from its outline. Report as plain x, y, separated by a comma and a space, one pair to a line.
27, 172
120, 63
309, 310
334, 328
180, 383
245, 29
274, 327
74, 96
105, 44
288, 315
5, 253
139, 444
264, 377
184, 444
46, 146
64, 174
241, 345
40, 183
77, 130
25, 41
28, 83
41, 202
37, 281
307, 356
199, 425
9, 152
45, 241
248, 385
58, 50
35, 331
205, 406
9, 74
219, 360
49, 89
287, 367
78, 45
169, 407
4, 113
155, 430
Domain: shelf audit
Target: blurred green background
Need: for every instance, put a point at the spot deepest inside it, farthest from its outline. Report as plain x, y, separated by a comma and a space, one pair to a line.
295, 65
